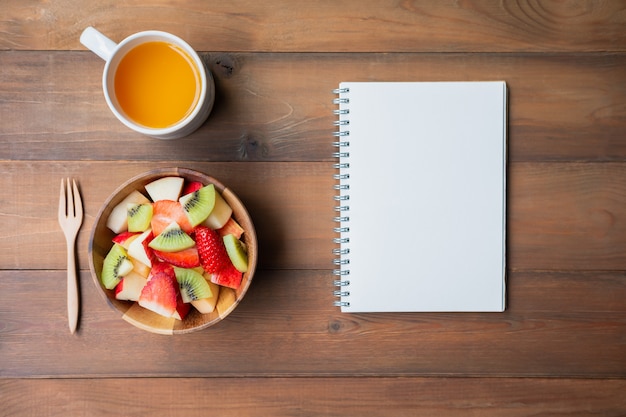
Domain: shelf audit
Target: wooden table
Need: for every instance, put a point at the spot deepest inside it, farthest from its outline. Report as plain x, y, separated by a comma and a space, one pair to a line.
560, 347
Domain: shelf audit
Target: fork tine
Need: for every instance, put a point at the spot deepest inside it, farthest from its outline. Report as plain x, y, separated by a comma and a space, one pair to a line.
78, 203
70, 199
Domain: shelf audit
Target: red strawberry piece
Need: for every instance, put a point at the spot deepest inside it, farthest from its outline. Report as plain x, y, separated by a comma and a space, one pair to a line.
191, 186
227, 277
211, 249
164, 212
187, 258
123, 237
162, 291
182, 308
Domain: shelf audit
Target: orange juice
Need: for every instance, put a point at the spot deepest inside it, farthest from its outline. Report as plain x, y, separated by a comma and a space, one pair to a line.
157, 84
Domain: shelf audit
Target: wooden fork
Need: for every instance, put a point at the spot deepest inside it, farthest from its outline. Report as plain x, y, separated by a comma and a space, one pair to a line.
70, 219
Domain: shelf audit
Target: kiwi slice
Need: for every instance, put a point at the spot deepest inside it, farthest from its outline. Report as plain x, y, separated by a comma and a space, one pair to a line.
236, 252
172, 239
139, 216
199, 204
192, 284
116, 265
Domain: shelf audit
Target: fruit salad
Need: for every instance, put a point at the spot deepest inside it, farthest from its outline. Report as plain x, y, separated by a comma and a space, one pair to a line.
174, 248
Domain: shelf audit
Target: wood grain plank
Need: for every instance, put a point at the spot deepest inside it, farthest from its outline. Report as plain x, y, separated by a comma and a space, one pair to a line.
561, 216
278, 107
566, 216
445, 397
336, 26
568, 324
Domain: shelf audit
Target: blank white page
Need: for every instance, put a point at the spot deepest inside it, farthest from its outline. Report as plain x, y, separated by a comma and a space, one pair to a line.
427, 196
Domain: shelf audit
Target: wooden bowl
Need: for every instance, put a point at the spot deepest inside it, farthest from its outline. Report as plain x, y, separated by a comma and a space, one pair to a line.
101, 242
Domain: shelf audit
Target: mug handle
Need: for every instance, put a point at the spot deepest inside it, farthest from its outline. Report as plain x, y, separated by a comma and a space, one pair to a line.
98, 43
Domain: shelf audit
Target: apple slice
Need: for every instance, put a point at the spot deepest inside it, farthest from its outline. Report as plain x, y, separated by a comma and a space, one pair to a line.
166, 188
207, 305
140, 268
220, 214
125, 238
129, 288
139, 250
228, 298
118, 219
231, 228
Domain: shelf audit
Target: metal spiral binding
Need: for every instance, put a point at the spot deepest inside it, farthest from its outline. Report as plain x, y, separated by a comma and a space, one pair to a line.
341, 143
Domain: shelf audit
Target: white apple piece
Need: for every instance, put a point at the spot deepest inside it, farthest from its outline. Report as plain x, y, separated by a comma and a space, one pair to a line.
129, 288
220, 214
137, 249
118, 219
126, 242
207, 305
139, 268
166, 188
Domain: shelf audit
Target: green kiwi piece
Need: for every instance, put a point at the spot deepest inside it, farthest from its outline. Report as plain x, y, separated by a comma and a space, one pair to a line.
236, 252
139, 216
172, 239
116, 265
192, 285
199, 204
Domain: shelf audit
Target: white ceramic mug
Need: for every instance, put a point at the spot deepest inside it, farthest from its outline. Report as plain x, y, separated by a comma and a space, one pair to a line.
113, 54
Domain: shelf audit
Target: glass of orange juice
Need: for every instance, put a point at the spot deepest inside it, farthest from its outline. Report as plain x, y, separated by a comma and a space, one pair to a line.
154, 82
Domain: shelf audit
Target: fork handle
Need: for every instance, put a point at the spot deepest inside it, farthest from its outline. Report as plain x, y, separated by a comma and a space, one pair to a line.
72, 289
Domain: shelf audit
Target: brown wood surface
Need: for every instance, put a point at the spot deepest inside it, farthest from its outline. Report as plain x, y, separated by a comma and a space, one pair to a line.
327, 25
335, 397
558, 349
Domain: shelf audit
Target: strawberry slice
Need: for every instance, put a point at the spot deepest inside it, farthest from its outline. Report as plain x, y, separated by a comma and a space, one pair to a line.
161, 292
187, 258
182, 308
211, 249
228, 276
191, 186
164, 212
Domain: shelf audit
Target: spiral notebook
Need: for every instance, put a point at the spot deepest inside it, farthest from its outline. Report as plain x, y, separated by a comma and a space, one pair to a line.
421, 196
